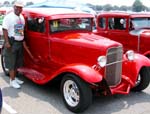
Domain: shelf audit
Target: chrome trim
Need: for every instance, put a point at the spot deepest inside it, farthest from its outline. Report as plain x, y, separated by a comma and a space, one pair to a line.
114, 63
138, 45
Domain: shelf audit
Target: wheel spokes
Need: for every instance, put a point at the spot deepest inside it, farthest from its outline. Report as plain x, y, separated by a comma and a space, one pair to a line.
71, 93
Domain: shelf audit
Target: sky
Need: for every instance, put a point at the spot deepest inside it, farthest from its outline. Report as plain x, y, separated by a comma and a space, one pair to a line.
98, 2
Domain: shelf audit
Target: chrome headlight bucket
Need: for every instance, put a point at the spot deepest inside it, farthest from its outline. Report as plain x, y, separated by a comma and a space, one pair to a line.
130, 55
101, 61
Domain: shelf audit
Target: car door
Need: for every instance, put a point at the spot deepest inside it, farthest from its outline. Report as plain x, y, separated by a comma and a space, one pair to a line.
120, 32
38, 41
116, 28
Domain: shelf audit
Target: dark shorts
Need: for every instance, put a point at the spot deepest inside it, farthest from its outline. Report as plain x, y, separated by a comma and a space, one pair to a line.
14, 55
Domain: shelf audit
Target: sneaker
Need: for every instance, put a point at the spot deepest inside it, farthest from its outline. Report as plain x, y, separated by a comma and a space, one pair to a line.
19, 81
14, 84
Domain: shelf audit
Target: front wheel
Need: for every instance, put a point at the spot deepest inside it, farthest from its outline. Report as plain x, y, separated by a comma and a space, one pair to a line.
77, 95
143, 80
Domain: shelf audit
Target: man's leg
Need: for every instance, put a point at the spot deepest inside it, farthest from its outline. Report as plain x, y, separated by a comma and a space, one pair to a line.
19, 62
13, 82
12, 74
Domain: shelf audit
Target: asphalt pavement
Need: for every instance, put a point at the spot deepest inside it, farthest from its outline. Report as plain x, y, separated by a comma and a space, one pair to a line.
46, 99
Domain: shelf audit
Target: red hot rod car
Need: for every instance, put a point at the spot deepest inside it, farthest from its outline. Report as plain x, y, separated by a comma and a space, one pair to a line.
130, 29
66, 49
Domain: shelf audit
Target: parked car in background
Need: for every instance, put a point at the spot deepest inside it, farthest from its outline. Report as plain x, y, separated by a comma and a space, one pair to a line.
84, 64
130, 29
2, 14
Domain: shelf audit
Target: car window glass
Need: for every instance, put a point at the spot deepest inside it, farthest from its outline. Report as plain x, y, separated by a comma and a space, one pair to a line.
102, 23
117, 23
36, 24
140, 22
67, 24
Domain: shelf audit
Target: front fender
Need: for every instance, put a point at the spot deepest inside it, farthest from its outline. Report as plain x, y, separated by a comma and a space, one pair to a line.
131, 69
141, 61
83, 71
147, 54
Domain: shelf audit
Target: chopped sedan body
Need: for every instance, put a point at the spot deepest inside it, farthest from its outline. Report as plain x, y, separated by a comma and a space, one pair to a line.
84, 64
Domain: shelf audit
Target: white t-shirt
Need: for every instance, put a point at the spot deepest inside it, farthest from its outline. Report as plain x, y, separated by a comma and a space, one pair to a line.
14, 25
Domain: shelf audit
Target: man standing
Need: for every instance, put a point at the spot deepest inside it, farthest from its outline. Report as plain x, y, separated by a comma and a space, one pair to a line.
13, 31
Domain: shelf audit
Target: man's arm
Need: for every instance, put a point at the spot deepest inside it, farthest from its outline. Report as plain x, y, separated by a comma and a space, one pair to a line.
5, 34
27, 49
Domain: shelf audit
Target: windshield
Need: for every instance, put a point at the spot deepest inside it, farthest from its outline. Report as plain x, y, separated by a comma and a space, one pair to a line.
67, 24
143, 22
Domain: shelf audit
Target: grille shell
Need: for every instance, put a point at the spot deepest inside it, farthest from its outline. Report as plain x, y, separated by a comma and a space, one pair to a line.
113, 70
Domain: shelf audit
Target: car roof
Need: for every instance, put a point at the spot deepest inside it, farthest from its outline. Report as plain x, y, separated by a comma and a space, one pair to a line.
56, 12
126, 14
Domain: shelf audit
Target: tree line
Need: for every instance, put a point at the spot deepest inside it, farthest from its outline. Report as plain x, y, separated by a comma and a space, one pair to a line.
137, 6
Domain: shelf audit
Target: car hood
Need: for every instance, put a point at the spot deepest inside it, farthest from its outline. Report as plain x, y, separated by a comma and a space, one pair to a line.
143, 40
145, 32
79, 47
88, 39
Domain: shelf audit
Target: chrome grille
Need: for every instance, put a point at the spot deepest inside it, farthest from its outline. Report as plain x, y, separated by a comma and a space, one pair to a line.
113, 69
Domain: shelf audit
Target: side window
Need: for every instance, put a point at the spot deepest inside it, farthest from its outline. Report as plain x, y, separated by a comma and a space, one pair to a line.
111, 23
131, 25
36, 24
117, 23
54, 25
102, 23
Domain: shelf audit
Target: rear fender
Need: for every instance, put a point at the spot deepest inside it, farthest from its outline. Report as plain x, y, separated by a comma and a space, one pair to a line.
83, 71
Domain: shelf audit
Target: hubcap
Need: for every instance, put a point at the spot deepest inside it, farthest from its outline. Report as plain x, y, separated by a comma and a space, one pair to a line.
71, 93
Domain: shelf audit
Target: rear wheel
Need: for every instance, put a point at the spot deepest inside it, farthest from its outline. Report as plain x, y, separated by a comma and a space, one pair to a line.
6, 71
76, 93
143, 80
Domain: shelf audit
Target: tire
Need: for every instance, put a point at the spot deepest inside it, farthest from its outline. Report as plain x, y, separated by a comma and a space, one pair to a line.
143, 80
77, 95
5, 70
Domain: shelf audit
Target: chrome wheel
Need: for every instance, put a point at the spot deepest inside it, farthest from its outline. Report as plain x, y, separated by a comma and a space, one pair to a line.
71, 93
76, 93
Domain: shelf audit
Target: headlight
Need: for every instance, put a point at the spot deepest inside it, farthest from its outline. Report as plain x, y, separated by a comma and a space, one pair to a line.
101, 60
130, 55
